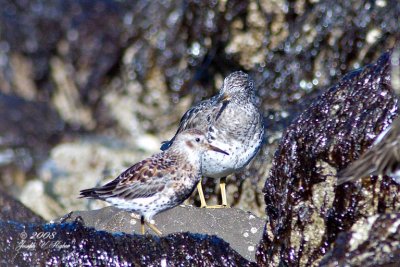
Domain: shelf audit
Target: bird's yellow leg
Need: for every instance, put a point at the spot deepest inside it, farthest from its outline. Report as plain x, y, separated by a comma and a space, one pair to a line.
223, 191
223, 195
201, 194
154, 228
142, 224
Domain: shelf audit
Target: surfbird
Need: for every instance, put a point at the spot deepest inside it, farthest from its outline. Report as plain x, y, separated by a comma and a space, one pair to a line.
383, 158
232, 122
159, 182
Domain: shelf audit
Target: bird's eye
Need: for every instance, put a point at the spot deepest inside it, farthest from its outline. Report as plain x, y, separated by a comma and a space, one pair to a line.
197, 139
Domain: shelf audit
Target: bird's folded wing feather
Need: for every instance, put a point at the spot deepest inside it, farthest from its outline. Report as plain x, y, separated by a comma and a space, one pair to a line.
204, 113
380, 159
143, 179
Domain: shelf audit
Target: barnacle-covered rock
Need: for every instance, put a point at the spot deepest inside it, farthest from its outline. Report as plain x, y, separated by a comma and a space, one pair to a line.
306, 210
73, 244
373, 242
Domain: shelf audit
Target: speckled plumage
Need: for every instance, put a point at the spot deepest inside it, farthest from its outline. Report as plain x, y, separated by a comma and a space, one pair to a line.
383, 158
232, 122
159, 182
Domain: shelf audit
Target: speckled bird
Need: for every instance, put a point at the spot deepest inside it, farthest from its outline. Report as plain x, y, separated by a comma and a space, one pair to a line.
232, 122
159, 182
383, 158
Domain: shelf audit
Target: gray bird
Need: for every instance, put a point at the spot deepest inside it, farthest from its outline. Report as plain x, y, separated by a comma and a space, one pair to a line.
233, 123
159, 182
383, 158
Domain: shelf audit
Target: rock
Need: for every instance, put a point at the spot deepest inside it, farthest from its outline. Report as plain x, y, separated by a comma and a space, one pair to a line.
305, 209
374, 242
28, 130
33, 124
241, 230
13, 210
190, 236
77, 245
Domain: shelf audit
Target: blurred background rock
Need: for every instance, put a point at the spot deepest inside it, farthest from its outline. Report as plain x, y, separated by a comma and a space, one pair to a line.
88, 88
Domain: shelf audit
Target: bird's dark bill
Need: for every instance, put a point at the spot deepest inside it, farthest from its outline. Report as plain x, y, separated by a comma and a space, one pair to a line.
216, 149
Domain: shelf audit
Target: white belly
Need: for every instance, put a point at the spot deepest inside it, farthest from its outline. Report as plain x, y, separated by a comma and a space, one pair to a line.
217, 165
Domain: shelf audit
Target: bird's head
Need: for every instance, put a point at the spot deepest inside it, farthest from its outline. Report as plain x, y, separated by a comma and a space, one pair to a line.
237, 84
195, 141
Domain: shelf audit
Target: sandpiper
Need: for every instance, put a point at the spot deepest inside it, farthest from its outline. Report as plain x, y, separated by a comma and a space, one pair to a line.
232, 122
383, 158
159, 182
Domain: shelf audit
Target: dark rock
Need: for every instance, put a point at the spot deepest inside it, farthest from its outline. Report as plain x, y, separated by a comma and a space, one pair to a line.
305, 209
241, 230
31, 124
73, 244
13, 210
28, 130
375, 242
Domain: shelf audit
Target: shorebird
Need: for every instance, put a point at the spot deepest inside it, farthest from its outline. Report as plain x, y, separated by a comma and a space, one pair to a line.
383, 158
159, 182
233, 123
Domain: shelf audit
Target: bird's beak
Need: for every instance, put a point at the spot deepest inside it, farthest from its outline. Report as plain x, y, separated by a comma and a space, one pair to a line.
216, 149
225, 97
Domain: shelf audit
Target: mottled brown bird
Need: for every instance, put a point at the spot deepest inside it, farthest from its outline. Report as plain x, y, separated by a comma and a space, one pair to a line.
160, 182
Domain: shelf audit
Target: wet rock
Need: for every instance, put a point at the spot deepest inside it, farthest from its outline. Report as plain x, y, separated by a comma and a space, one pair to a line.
242, 230
305, 209
374, 242
74, 244
28, 130
13, 210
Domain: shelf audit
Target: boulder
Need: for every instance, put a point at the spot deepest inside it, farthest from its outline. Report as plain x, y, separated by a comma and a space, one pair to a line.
305, 209
76, 245
241, 230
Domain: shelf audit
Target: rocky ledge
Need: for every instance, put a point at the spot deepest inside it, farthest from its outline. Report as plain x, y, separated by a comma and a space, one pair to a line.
242, 230
73, 244
109, 237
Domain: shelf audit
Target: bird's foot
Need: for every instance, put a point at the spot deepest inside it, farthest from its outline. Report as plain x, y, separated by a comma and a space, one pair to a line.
154, 228
216, 207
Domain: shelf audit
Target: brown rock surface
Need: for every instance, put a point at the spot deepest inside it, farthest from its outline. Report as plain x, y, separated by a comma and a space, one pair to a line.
373, 242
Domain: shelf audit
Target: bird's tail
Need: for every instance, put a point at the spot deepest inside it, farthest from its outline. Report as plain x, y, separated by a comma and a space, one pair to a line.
89, 193
165, 145
360, 168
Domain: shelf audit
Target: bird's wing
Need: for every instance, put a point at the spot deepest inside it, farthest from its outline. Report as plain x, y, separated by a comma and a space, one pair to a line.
382, 158
362, 167
144, 179
204, 113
